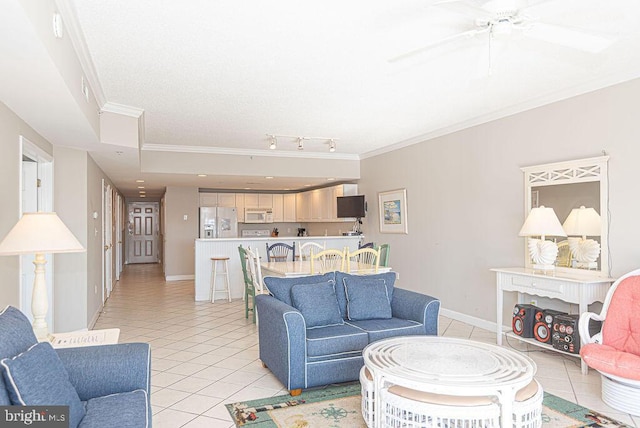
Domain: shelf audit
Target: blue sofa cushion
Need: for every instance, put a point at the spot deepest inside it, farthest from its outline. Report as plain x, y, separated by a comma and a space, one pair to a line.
367, 299
317, 303
332, 340
37, 377
16, 336
343, 278
383, 328
123, 410
280, 288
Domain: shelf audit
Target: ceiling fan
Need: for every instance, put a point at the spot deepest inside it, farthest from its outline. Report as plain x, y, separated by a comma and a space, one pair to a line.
502, 17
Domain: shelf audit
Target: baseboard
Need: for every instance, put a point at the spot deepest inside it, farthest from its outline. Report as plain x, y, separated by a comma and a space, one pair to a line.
94, 319
179, 277
467, 319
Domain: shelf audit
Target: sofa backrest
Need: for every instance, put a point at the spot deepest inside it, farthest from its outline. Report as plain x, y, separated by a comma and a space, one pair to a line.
280, 287
16, 336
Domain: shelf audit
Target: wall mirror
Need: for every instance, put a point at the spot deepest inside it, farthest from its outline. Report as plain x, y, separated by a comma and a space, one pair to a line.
565, 186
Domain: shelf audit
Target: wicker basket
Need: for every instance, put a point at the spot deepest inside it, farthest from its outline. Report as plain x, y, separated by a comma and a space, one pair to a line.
366, 384
527, 408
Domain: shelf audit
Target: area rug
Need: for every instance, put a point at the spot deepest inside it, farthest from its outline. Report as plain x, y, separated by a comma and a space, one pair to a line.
339, 407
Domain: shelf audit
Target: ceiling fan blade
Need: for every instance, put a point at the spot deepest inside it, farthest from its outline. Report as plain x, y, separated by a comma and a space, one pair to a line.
441, 42
570, 37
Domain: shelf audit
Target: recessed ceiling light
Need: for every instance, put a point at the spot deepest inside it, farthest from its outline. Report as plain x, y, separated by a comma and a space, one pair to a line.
140, 187
139, 181
268, 177
330, 179
307, 185
202, 175
286, 189
143, 191
143, 196
247, 188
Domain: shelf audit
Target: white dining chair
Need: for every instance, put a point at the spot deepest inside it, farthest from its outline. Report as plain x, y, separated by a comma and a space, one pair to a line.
327, 261
368, 256
304, 250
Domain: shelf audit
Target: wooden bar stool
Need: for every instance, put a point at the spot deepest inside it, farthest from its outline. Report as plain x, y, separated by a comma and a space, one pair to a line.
215, 273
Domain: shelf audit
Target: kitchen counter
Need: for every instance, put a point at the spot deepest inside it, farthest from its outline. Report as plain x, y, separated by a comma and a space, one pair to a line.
207, 248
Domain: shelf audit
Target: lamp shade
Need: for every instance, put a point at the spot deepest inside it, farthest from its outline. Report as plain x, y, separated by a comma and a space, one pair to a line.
39, 233
582, 222
542, 221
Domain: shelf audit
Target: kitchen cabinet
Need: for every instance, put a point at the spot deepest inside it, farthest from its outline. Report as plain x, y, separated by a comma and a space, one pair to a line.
320, 205
303, 206
251, 200
288, 207
240, 204
218, 200
258, 200
278, 208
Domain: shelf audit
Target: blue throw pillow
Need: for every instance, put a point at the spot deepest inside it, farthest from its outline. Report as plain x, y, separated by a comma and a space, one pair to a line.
317, 303
37, 378
343, 278
367, 299
280, 288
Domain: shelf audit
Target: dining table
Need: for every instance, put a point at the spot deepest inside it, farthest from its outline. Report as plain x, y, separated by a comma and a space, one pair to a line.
298, 268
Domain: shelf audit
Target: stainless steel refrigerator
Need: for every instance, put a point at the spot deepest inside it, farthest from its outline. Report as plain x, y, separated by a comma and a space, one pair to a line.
218, 222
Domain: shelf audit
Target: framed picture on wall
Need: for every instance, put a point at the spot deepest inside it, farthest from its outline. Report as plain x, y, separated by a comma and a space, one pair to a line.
393, 211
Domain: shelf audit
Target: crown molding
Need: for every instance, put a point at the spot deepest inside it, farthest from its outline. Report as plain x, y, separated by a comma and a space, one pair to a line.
123, 109
80, 45
301, 154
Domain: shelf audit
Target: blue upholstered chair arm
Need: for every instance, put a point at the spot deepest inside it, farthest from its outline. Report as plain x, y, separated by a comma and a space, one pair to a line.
282, 337
96, 371
418, 307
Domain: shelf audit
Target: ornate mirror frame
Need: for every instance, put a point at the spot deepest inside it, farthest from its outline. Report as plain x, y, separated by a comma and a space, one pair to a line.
570, 172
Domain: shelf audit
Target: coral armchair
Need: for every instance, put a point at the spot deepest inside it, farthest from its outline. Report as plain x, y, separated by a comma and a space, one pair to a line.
615, 350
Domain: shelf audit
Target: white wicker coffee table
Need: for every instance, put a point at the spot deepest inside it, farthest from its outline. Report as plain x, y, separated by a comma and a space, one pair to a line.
448, 366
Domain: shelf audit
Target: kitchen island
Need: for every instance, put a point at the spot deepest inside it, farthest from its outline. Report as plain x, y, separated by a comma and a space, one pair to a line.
228, 247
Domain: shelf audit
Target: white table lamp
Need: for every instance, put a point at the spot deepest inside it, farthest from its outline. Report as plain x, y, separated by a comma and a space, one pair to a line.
39, 233
542, 221
582, 222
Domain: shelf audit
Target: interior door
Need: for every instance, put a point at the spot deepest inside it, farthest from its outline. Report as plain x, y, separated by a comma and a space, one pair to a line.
142, 233
107, 240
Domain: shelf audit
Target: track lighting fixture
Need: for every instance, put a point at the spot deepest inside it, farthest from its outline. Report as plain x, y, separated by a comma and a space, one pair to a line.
299, 140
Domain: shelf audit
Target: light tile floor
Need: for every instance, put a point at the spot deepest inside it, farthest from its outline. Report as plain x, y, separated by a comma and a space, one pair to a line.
205, 355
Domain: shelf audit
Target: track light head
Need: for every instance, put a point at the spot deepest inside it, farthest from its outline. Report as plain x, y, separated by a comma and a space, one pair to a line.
300, 143
332, 145
273, 143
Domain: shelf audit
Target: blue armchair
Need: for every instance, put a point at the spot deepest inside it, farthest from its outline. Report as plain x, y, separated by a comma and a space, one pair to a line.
111, 382
313, 329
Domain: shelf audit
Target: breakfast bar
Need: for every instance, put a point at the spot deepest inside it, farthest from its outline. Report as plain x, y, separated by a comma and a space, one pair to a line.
228, 247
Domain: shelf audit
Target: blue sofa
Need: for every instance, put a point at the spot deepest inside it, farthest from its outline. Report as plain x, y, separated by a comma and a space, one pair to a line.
104, 386
312, 329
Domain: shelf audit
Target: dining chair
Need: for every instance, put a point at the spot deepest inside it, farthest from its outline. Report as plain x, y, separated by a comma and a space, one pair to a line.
304, 250
255, 271
367, 245
369, 256
279, 252
383, 249
327, 261
249, 289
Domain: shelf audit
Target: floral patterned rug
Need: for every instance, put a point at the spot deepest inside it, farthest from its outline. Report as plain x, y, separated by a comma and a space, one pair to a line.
338, 406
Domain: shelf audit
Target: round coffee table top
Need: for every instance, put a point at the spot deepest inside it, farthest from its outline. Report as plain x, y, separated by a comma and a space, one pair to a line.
448, 365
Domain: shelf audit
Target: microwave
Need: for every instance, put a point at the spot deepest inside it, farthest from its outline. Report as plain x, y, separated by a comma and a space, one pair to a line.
258, 215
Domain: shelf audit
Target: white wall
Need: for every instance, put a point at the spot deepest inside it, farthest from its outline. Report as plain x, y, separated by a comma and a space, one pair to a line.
465, 193
180, 234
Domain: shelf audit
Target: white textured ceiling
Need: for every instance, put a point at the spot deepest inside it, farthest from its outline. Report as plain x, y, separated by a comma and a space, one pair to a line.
219, 75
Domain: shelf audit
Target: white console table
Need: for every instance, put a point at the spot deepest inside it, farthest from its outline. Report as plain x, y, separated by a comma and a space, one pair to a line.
581, 288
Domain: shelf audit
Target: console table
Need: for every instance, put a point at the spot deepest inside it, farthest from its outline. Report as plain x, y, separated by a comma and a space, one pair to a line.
449, 366
580, 287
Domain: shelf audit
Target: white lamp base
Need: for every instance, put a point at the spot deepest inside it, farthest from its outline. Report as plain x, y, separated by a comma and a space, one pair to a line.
39, 300
544, 268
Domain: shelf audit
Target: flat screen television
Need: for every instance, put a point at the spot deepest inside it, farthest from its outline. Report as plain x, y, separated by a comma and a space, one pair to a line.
351, 206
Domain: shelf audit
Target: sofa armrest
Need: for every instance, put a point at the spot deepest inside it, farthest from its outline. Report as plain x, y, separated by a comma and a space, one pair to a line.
282, 339
418, 307
96, 371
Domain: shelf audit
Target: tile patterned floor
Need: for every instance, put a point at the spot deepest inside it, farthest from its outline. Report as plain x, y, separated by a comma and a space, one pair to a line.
205, 355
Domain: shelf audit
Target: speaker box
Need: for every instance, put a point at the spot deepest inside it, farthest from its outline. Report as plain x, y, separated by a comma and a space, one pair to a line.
543, 324
523, 319
565, 336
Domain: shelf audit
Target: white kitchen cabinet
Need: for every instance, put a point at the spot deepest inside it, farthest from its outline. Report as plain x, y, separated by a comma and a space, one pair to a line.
251, 200
278, 208
227, 200
240, 204
208, 199
320, 205
288, 207
303, 206
265, 200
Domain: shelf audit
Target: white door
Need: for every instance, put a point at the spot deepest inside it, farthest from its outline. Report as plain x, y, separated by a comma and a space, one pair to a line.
107, 240
142, 232
119, 215
36, 194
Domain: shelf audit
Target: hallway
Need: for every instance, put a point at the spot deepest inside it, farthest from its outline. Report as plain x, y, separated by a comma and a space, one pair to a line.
205, 355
